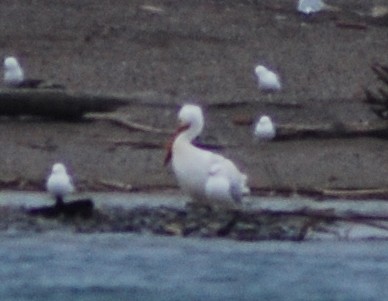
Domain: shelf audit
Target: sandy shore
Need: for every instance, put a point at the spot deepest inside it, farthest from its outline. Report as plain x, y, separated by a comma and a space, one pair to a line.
173, 52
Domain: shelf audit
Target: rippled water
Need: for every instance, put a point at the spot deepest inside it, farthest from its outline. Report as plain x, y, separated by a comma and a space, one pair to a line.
66, 266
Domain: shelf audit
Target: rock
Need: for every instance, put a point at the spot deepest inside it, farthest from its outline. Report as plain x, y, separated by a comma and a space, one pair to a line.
81, 208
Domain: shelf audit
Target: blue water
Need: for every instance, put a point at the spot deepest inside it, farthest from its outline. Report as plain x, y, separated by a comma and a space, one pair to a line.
66, 266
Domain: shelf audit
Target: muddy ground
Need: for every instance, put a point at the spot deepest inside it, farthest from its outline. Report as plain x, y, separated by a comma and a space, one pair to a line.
171, 52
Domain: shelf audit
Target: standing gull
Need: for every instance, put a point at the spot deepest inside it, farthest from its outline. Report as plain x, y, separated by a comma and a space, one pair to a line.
59, 183
314, 6
264, 129
204, 175
13, 72
14, 77
268, 80
310, 6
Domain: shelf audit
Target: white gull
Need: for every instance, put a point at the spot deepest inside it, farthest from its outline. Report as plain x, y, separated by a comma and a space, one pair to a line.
59, 183
310, 6
268, 80
13, 72
314, 6
264, 129
204, 175
14, 77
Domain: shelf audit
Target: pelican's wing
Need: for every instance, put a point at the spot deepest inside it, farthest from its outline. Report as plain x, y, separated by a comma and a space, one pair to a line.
237, 180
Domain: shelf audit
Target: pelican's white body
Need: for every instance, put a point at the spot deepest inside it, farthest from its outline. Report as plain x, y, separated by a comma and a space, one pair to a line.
268, 80
204, 175
265, 129
59, 183
13, 72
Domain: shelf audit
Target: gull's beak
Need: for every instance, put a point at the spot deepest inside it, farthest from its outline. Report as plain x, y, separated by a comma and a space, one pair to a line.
181, 128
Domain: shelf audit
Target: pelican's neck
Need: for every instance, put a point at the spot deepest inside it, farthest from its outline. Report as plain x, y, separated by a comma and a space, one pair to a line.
191, 132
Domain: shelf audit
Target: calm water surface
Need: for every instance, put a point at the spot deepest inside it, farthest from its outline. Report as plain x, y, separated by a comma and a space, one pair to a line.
66, 266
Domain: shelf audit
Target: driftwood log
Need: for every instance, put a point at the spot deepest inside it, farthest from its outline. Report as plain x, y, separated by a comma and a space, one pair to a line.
376, 129
333, 130
378, 99
56, 103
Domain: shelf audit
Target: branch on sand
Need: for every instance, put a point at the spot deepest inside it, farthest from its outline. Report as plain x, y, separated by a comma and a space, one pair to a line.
333, 130
338, 130
136, 143
115, 185
125, 122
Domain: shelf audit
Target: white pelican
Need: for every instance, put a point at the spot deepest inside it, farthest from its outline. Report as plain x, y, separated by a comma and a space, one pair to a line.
268, 80
59, 183
13, 72
265, 129
204, 175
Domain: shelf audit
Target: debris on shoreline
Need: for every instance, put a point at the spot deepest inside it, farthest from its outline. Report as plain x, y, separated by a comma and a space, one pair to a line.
192, 221
195, 220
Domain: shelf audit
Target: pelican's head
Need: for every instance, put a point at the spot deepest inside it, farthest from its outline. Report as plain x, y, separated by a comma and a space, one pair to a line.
59, 168
190, 116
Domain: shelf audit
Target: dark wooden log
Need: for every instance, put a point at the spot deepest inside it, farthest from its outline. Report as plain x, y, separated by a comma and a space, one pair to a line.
378, 99
82, 208
51, 103
375, 129
332, 130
